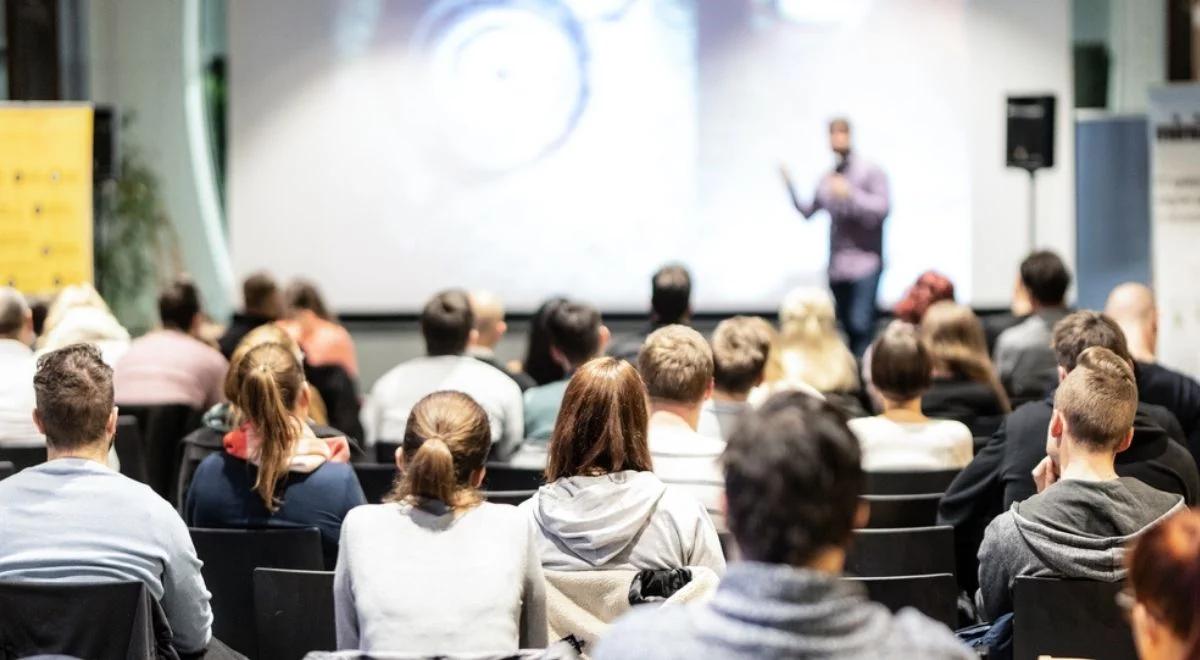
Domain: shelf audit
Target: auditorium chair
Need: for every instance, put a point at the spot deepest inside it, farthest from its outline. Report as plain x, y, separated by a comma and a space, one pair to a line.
918, 482
130, 449
385, 451
80, 620
293, 611
6, 470
1070, 618
230, 557
891, 511
23, 457
502, 477
162, 429
935, 596
513, 497
376, 480
895, 552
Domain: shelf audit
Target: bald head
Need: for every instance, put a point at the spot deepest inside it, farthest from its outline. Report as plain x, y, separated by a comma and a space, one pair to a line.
1132, 306
489, 318
16, 321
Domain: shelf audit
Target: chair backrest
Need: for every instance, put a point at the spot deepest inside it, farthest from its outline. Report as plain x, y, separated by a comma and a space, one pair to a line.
908, 483
935, 596
1074, 618
7, 469
163, 428
293, 611
196, 446
230, 557
131, 450
513, 497
385, 451
500, 476
82, 620
904, 551
376, 480
23, 457
891, 511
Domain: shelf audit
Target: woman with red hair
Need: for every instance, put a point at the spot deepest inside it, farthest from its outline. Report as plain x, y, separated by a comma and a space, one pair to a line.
931, 287
1164, 581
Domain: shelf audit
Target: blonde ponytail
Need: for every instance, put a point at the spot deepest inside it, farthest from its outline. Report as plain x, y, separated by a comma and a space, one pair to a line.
271, 380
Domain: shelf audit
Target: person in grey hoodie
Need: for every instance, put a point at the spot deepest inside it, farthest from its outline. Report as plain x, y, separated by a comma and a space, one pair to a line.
786, 598
602, 507
1084, 515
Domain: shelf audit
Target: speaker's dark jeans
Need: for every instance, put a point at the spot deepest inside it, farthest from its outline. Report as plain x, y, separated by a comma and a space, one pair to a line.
854, 302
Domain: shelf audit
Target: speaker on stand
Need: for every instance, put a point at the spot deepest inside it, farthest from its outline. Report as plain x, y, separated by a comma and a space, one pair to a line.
1030, 144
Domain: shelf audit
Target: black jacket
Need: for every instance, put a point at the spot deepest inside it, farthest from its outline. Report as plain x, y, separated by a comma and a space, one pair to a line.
523, 380
962, 400
1175, 392
239, 327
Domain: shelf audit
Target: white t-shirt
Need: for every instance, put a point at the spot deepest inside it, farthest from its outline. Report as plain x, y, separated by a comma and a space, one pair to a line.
688, 461
935, 444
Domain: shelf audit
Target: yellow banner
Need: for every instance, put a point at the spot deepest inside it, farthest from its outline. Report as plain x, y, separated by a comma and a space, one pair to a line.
45, 196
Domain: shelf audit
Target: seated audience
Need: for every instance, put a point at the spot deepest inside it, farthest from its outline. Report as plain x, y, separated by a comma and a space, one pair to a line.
310, 323
437, 570
602, 507
786, 598
741, 347
1164, 577
274, 470
539, 364
1132, 307
79, 315
576, 336
811, 355
169, 365
489, 330
17, 367
965, 386
930, 289
1083, 514
677, 366
447, 325
670, 304
262, 304
74, 519
902, 437
1024, 359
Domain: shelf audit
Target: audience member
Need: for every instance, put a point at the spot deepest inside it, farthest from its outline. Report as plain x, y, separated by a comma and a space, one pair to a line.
169, 365
17, 367
1164, 579
262, 303
902, 437
1024, 359
793, 477
930, 288
965, 386
670, 304
1132, 307
576, 336
602, 507
310, 323
1078, 523
676, 365
741, 347
79, 315
74, 519
436, 570
490, 328
274, 470
447, 325
539, 364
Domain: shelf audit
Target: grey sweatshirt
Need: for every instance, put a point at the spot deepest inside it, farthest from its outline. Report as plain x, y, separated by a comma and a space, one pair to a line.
423, 580
1074, 529
621, 521
773, 611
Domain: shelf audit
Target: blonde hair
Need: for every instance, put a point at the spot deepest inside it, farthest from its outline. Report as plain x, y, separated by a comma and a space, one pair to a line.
676, 363
809, 348
1098, 398
271, 380
447, 438
269, 333
958, 346
741, 348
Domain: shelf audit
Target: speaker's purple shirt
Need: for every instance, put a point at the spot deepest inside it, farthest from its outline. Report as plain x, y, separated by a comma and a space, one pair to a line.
856, 221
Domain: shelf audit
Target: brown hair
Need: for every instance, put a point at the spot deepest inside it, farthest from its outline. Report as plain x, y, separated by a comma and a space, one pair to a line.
1164, 571
271, 381
260, 293
303, 294
446, 439
1098, 398
601, 426
741, 346
676, 364
74, 393
900, 366
958, 347
1083, 329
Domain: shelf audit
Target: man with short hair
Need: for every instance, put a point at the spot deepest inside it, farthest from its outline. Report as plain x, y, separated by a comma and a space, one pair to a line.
17, 367
740, 347
793, 478
490, 328
447, 324
670, 303
170, 365
1083, 515
73, 519
676, 364
1022, 355
263, 303
576, 336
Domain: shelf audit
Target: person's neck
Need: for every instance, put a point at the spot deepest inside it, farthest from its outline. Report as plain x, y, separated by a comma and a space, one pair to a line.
903, 411
1082, 465
96, 451
734, 397
830, 560
1036, 307
481, 348
1140, 348
675, 413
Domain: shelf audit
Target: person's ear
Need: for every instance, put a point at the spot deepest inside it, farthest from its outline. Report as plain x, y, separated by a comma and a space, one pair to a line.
501, 329
472, 337
605, 337
477, 475
304, 400
1062, 373
110, 427
862, 514
708, 389
400, 458
560, 359
37, 421
1126, 441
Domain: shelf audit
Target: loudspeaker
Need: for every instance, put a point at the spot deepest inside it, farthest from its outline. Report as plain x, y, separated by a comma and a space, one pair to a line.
106, 161
1030, 132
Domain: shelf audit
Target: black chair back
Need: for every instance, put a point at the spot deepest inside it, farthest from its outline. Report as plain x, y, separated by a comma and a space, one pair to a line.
230, 557
1073, 618
162, 429
81, 620
294, 612
908, 483
7, 469
385, 451
23, 457
131, 451
894, 552
935, 596
513, 497
195, 447
500, 476
891, 511
376, 480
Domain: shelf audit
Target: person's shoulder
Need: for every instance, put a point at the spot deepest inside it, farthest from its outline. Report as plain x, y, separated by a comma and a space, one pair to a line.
648, 632
952, 429
505, 515
915, 635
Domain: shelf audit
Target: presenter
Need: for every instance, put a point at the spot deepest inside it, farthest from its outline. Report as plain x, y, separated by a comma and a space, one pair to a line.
855, 194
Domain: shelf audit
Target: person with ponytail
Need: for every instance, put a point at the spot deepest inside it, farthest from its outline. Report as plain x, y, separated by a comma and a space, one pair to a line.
1163, 596
274, 470
435, 569
965, 386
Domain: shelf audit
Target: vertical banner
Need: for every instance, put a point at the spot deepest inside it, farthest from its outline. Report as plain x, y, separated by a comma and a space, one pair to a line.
1174, 113
45, 196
